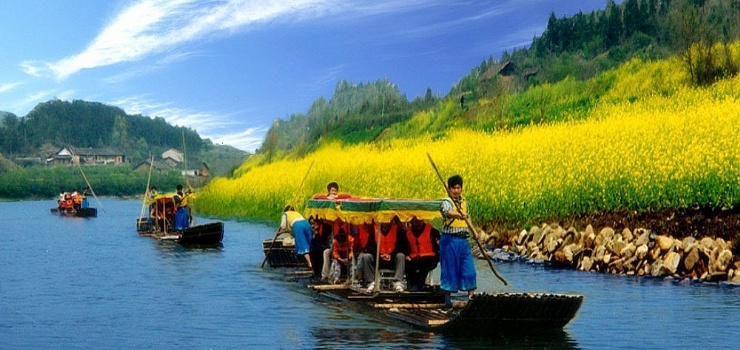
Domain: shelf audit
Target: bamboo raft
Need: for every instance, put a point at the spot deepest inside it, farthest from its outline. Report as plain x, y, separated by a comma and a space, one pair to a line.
209, 234
485, 315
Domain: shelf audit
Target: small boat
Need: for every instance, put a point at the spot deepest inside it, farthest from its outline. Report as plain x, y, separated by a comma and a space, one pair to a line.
160, 225
281, 253
74, 205
76, 212
484, 315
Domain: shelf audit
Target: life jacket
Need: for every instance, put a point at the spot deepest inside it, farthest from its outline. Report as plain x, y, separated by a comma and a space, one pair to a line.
363, 236
457, 223
341, 249
181, 200
420, 246
388, 241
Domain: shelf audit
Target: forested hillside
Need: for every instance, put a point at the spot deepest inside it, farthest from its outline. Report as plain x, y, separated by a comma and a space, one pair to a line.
80, 123
55, 124
518, 126
513, 90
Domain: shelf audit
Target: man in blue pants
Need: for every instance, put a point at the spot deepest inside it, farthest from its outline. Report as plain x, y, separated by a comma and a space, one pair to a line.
456, 259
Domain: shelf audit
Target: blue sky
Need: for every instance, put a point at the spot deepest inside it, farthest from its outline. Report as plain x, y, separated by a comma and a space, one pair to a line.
228, 68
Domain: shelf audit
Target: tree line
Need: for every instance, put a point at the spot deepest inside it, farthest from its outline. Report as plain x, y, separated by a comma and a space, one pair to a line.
355, 113
55, 124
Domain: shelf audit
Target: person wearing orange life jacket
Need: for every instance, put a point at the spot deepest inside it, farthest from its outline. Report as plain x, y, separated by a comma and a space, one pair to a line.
393, 250
291, 221
336, 226
341, 254
361, 236
76, 199
423, 253
456, 259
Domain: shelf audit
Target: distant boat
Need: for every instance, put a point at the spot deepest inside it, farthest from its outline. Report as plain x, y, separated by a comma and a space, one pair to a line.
161, 225
79, 212
74, 205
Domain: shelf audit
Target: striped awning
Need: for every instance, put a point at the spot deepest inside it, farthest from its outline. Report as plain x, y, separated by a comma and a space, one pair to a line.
367, 210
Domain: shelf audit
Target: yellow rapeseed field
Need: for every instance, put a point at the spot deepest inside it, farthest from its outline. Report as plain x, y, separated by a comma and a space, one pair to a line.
650, 144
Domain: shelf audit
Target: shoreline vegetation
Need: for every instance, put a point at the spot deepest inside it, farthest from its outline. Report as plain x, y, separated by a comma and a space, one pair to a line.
650, 145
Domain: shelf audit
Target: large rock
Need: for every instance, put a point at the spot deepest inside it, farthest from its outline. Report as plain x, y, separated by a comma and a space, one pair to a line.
536, 234
627, 235
607, 233
723, 260
586, 264
617, 246
628, 251
522, 237
657, 269
665, 243
691, 258
589, 241
671, 261
641, 251
643, 236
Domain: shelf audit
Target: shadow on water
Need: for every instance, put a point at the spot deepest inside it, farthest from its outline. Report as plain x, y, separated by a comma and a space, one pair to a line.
399, 338
172, 249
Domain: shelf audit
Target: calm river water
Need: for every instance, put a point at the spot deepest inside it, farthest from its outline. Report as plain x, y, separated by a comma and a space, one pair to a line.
70, 283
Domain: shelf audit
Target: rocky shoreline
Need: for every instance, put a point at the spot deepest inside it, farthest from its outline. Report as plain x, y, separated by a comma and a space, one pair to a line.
696, 245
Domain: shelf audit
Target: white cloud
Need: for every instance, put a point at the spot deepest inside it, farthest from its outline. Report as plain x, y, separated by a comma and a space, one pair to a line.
248, 140
217, 127
9, 86
151, 27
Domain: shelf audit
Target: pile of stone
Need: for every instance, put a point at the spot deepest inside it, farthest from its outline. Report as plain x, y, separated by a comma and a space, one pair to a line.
639, 252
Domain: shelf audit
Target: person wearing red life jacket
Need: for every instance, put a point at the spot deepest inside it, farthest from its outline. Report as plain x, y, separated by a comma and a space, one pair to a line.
361, 236
341, 254
423, 253
334, 228
393, 250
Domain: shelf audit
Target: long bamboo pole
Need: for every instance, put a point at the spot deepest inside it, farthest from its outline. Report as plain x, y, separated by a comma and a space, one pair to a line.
88, 183
148, 182
471, 227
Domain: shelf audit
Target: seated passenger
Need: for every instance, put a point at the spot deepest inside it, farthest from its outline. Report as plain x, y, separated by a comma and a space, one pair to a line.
393, 248
320, 241
361, 236
423, 253
341, 253
335, 227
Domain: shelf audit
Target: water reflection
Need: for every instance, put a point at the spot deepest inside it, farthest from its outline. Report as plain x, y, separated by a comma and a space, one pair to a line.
346, 337
343, 337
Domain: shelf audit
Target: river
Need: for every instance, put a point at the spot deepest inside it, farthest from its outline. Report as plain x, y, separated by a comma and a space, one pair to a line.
73, 283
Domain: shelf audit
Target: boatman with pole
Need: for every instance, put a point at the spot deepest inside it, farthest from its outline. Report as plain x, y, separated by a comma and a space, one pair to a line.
456, 259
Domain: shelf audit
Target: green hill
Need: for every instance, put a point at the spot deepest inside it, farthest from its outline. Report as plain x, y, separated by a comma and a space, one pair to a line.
55, 124
536, 140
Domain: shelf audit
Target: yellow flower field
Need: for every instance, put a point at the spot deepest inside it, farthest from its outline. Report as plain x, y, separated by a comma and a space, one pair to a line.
670, 147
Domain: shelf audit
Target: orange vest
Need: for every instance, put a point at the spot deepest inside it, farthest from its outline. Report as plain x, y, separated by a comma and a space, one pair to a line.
388, 241
420, 246
341, 250
363, 236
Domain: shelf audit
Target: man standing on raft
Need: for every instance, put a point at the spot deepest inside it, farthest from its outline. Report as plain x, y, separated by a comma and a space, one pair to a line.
456, 259
292, 222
